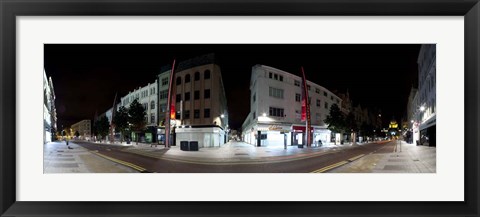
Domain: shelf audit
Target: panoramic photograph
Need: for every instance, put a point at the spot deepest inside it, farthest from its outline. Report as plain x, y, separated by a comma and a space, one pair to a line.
239, 108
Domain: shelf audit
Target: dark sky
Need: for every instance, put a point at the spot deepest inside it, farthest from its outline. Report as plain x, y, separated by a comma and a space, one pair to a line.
86, 77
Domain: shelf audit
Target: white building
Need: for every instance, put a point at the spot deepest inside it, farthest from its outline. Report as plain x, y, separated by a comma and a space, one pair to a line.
200, 102
147, 96
49, 113
83, 127
424, 102
275, 109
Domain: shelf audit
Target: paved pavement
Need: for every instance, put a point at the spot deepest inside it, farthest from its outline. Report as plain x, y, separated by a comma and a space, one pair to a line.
406, 158
58, 158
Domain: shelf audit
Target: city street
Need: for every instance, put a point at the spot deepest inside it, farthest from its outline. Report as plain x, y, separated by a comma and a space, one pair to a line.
304, 161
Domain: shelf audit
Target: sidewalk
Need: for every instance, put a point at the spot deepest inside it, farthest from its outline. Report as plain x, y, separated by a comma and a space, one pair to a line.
57, 158
407, 158
234, 153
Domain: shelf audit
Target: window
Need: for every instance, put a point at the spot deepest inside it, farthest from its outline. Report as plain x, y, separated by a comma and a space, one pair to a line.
206, 74
206, 113
187, 96
152, 118
325, 93
280, 78
338, 101
186, 114
196, 113
254, 115
277, 93
179, 80
152, 104
197, 76
318, 103
309, 100
254, 97
298, 97
317, 90
275, 76
163, 94
276, 112
308, 87
270, 75
163, 107
145, 106
179, 97
326, 105
178, 115
153, 90
331, 97
164, 81
296, 83
196, 95
206, 94
187, 78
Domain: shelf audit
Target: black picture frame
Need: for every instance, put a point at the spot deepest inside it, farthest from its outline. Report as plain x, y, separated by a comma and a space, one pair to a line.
470, 9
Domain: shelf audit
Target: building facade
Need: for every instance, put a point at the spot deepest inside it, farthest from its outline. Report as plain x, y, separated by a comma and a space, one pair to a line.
200, 102
275, 109
49, 111
84, 128
423, 108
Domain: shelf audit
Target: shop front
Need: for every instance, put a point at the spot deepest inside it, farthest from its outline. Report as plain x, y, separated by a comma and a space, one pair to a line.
320, 136
428, 133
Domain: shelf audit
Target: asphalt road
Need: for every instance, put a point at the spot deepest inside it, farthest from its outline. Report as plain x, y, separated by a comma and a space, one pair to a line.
294, 166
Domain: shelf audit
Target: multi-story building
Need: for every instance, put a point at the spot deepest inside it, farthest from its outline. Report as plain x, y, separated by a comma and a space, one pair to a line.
147, 96
84, 129
200, 102
275, 109
423, 107
49, 112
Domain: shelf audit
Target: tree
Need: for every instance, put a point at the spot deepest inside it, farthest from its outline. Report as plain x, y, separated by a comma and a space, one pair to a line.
335, 120
136, 117
102, 127
351, 125
120, 120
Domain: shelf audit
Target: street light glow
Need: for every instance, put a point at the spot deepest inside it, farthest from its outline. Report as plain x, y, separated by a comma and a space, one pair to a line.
222, 116
422, 108
264, 114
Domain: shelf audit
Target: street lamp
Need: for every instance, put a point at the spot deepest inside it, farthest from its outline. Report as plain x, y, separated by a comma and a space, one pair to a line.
422, 108
264, 114
222, 115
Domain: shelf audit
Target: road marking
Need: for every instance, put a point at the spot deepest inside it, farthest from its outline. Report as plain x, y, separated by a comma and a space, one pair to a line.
136, 167
356, 157
324, 169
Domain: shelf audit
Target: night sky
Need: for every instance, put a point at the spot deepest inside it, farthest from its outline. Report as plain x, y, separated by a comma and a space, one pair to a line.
86, 77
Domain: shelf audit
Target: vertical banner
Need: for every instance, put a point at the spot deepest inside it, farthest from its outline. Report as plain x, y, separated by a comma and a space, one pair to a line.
170, 107
306, 110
